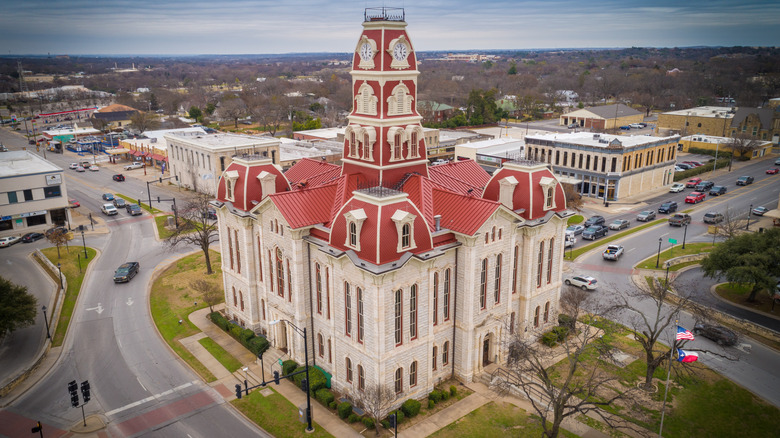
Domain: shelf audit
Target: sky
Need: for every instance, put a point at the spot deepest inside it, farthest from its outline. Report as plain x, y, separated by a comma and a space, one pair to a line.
176, 27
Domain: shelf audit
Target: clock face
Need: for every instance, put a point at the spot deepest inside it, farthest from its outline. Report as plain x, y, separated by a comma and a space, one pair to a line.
400, 51
366, 51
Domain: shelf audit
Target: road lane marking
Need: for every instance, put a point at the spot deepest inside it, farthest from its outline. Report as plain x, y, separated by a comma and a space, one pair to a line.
142, 385
150, 398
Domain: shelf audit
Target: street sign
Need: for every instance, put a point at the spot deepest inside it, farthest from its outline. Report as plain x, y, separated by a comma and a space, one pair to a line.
280, 361
673, 241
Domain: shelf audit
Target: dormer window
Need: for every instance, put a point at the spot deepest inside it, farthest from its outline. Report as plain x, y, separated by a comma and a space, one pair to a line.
548, 188
230, 184
355, 219
396, 137
404, 224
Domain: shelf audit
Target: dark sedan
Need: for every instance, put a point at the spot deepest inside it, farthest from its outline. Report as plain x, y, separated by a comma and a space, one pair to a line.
716, 333
126, 272
32, 237
118, 177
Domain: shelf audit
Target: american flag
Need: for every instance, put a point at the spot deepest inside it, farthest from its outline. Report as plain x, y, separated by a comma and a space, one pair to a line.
682, 333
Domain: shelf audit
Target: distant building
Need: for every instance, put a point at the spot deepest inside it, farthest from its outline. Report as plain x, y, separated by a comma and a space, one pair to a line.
33, 196
722, 144
115, 116
602, 117
758, 123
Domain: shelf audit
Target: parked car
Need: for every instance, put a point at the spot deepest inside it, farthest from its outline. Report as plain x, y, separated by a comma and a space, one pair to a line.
625, 127
718, 190
677, 188
119, 203
133, 209
744, 180
646, 216
642, 124
32, 237
668, 207
695, 198
136, 165
73, 166
573, 125
108, 197
569, 240
80, 169
595, 220
619, 224
93, 168
679, 219
692, 182
72, 203
678, 169
210, 214
118, 177
684, 166
712, 217
759, 211
594, 232
636, 125
777, 162
9, 240
574, 229
704, 186
716, 333
772, 171
582, 282
109, 209
126, 271
613, 252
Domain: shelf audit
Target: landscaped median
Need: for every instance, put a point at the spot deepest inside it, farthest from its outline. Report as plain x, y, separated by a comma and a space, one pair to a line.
574, 253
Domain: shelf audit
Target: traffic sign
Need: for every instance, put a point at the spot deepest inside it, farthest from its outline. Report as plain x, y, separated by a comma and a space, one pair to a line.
673, 241
280, 361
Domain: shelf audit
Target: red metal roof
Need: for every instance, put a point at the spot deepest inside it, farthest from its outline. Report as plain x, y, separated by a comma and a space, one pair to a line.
313, 172
302, 208
462, 213
248, 190
460, 176
528, 194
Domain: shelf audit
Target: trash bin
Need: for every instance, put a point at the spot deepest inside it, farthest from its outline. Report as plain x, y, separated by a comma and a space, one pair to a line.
606, 203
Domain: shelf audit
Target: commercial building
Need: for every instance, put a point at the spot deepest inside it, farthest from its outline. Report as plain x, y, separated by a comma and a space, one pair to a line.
32, 194
722, 144
618, 165
703, 120
604, 117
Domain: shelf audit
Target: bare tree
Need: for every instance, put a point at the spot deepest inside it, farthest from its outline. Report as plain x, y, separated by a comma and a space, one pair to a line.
209, 292
144, 121
376, 400
577, 385
232, 108
58, 237
743, 144
197, 228
731, 225
573, 197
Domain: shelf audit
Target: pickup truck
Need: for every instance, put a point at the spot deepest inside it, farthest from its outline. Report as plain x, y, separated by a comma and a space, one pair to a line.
679, 219
136, 165
613, 252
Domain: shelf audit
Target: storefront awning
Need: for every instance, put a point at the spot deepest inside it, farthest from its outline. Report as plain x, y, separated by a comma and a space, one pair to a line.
158, 157
117, 151
568, 179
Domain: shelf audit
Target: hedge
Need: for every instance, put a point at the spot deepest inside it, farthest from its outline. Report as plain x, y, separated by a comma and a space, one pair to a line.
344, 409
317, 379
690, 173
453, 391
256, 344
288, 367
410, 408
368, 422
324, 396
435, 396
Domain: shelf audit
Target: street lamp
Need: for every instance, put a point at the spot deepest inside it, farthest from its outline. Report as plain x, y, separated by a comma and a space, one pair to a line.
750, 211
309, 429
685, 233
84, 242
666, 283
46, 320
59, 268
658, 259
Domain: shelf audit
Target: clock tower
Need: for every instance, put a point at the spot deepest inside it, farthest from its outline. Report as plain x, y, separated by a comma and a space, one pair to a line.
384, 139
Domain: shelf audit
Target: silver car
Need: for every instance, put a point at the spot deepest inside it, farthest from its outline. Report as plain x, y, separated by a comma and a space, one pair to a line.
646, 216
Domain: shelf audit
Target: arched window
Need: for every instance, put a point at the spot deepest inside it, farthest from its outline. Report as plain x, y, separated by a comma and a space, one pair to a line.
230, 247
435, 357
413, 312
550, 260
536, 317
483, 284
280, 272
318, 286
241, 299
399, 380
270, 270
497, 280
349, 370
398, 317
514, 269
435, 298
235, 298
262, 307
238, 251
546, 311
330, 352
361, 378
446, 298
493, 234
320, 345
499, 233
445, 353
406, 233
327, 291
413, 374
352, 145
289, 281
539, 265
360, 314
259, 259
347, 310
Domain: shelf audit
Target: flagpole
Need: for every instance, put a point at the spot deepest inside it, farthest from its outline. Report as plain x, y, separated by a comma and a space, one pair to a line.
668, 376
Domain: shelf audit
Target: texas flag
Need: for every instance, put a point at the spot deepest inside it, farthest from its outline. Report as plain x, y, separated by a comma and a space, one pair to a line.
686, 356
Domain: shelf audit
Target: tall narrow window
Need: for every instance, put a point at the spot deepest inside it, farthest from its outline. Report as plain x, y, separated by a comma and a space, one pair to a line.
514, 269
536, 317
320, 345
413, 312
262, 307
327, 291
279, 272
270, 270
352, 234
539, 265
349, 370
497, 281
406, 233
512, 323
241, 299
435, 298
493, 235
330, 352
413, 374
399, 380
546, 311
238, 251
289, 281
318, 285
360, 314
446, 298
259, 259
361, 378
398, 317
347, 310
483, 284
445, 353
235, 298
435, 357
230, 247
550, 260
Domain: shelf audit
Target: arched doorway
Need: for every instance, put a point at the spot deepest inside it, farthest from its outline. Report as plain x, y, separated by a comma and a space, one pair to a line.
486, 350
281, 339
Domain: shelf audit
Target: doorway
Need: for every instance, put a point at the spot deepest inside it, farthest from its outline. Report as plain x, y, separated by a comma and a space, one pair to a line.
281, 340
486, 351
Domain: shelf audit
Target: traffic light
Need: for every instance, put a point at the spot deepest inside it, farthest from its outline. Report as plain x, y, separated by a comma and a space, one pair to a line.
238, 390
304, 385
85, 390
74, 395
37, 427
391, 420
276, 377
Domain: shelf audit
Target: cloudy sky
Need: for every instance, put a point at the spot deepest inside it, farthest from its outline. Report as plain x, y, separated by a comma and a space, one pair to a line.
121, 27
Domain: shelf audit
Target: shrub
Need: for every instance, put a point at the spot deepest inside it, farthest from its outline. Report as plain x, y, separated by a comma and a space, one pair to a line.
368, 422
353, 418
298, 378
344, 409
333, 405
453, 391
235, 331
431, 404
317, 379
258, 345
411, 407
565, 320
245, 336
560, 332
399, 416
217, 319
549, 339
289, 366
324, 396
445, 395
386, 424
435, 396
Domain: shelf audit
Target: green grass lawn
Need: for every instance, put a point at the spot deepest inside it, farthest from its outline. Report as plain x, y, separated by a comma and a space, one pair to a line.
276, 415
144, 206
576, 219
171, 302
495, 419
70, 261
226, 359
738, 293
573, 254
676, 251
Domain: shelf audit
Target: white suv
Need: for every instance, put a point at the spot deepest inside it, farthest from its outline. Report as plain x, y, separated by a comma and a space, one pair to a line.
582, 282
109, 209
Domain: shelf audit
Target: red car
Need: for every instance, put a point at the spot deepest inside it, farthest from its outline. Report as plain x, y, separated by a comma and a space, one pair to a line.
74, 203
118, 177
694, 197
772, 171
692, 182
